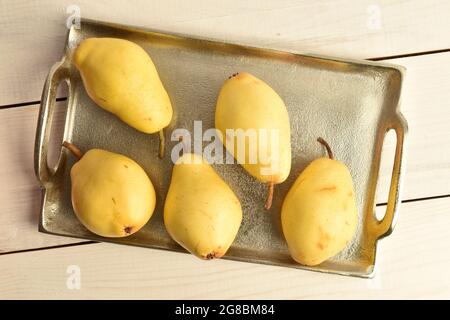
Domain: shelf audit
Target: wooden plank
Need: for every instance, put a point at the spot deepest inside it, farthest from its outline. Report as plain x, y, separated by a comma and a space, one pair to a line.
411, 265
20, 196
32, 32
427, 165
425, 105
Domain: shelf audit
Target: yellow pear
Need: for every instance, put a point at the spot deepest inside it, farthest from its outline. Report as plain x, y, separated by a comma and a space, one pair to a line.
201, 212
112, 196
319, 214
248, 105
121, 78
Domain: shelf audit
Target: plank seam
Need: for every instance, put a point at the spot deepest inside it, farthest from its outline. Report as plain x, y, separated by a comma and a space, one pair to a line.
30, 103
49, 247
417, 199
407, 55
94, 242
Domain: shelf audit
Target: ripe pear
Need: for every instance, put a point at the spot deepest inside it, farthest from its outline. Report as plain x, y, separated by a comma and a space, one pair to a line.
319, 214
121, 78
201, 212
249, 104
112, 196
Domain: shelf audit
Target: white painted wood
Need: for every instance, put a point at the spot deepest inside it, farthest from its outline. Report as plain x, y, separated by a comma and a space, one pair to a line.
20, 195
32, 32
413, 263
425, 104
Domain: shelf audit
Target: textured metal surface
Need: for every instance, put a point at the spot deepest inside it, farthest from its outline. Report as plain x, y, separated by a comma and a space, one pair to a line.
352, 104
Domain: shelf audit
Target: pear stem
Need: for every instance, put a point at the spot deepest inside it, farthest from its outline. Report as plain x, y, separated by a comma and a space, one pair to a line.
269, 199
162, 142
72, 148
327, 146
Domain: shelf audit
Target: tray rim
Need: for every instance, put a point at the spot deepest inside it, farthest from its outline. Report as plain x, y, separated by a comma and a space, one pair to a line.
376, 63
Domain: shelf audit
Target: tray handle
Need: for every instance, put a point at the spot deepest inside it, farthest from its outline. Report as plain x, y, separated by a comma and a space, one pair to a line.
58, 73
386, 225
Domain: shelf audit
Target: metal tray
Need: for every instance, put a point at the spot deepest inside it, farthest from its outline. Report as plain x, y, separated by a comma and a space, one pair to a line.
352, 104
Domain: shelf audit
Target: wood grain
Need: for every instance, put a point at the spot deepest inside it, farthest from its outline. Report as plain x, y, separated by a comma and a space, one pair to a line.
427, 167
20, 195
32, 32
413, 263
425, 100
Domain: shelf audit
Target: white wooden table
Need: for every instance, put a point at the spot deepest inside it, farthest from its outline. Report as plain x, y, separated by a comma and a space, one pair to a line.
414, 262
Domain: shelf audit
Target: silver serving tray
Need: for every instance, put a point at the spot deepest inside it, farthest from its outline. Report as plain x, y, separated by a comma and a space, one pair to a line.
352, 104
